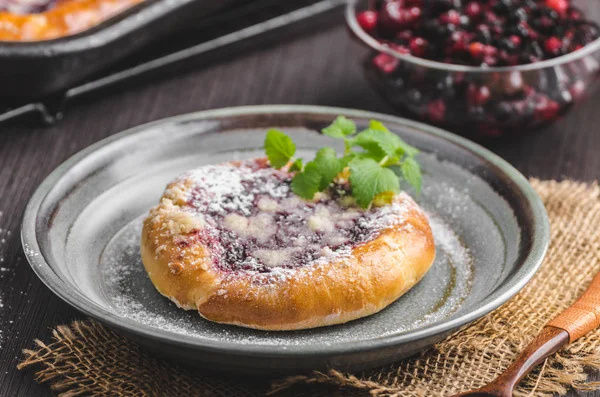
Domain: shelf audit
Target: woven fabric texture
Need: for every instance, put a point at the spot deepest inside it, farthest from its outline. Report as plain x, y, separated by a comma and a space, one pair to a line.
85, 358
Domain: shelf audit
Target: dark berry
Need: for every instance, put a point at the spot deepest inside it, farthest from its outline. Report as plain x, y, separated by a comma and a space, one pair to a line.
503, 112
536, 50
481, 32
511, 83
404, 36
574, 14
484, 34
586, 33
520, 15
414, 97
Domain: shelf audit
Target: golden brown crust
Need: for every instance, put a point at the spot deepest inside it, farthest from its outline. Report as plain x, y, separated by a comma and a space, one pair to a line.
376, 274
65, 18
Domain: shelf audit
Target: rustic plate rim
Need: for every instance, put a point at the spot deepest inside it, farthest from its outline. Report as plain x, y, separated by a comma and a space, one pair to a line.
531, 263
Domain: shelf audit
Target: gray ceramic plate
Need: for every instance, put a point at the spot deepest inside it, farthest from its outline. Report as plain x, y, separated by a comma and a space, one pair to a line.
81, 228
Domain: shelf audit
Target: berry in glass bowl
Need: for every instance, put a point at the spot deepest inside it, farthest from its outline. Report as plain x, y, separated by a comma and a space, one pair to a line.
481, 67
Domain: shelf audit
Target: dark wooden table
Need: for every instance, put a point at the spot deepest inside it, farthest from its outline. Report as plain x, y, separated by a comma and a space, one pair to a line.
317, 68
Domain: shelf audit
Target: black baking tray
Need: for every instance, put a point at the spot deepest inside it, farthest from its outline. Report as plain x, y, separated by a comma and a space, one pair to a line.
37, 69
231, 31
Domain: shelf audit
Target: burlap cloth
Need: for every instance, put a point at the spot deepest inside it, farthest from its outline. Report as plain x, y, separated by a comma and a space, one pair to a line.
85, 358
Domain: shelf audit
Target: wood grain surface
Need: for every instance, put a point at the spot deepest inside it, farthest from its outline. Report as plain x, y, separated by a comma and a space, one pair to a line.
320, 67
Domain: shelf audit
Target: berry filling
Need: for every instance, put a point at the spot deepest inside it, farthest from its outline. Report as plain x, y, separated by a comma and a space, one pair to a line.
488, 33
252, 221
26, 6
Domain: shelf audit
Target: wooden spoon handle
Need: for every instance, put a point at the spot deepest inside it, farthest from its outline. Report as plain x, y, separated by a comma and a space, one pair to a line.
582, 316
577, 320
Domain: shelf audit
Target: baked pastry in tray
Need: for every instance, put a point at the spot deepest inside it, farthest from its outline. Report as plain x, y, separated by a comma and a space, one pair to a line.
234, 242
32, 20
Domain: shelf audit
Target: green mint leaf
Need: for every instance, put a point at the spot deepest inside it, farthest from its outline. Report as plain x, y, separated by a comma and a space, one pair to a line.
347, 159
377, 125
279, 148
403, 147
396, 169
378, 142
306, 183
340, 128
329, 165
296, 165
368, 179
360, 155
411, 172
406, 149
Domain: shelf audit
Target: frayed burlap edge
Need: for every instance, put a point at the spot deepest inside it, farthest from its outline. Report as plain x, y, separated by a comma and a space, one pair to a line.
86, 358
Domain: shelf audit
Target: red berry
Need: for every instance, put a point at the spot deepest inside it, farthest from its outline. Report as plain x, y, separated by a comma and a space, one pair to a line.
459, 41
509, 59
490, 60
545, 108
367, 20
476, 50
478, 96
415, 12
385, 63
560, 6
451, 17
491, 17
436, 110
575, 14
418, 46
516, 40
399, 48
490, 50
473, 9
395, 18
480, 32
553, 45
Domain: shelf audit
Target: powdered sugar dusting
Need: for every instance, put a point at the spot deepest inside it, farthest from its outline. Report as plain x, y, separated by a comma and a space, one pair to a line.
255, 223
131, 295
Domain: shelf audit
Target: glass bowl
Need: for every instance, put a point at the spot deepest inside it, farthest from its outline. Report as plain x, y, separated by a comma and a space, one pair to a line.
521, 98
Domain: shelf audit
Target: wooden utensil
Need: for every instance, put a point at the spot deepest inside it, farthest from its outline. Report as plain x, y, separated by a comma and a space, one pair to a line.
577, 320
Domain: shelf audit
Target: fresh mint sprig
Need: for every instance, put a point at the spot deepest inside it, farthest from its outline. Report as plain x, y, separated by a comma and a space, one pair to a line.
375, 158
